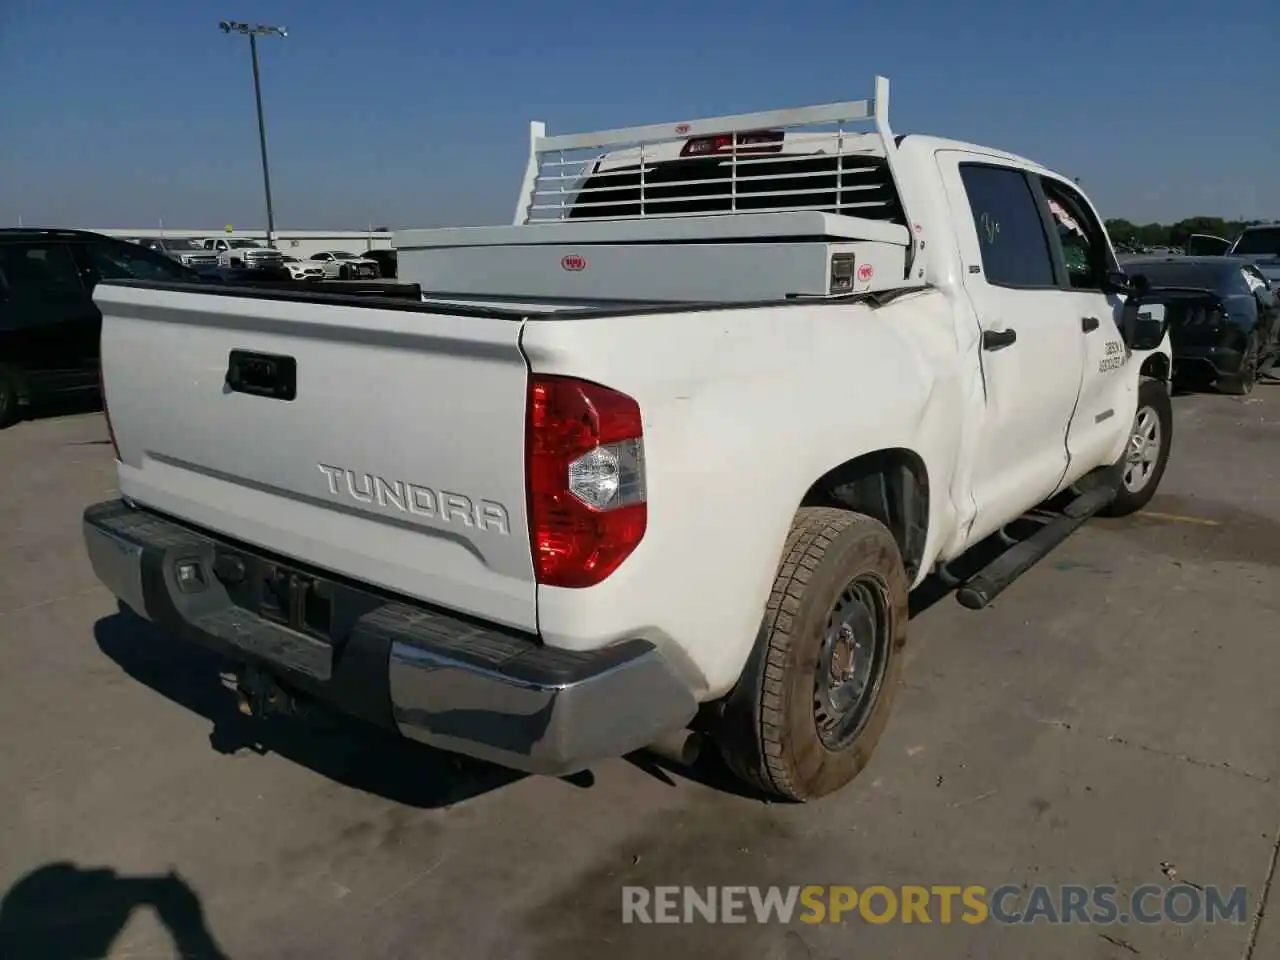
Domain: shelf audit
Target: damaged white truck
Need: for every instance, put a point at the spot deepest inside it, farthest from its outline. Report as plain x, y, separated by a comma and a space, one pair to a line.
657, 464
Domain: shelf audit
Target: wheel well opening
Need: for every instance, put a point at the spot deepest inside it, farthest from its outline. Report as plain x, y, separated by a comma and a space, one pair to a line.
1156, 367
890, 485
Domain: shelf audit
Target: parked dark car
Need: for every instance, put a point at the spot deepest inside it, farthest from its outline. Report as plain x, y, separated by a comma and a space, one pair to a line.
1224, 321
1258, 243
49, 325
386, 260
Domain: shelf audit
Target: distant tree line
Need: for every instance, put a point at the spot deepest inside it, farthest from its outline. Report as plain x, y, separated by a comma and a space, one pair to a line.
1126, 234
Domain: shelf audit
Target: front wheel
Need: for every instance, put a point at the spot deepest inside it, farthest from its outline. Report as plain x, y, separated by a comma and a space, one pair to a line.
817, 690
1147, 452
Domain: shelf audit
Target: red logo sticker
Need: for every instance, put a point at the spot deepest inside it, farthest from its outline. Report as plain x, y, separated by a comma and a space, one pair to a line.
574, 262
682, 129
865, 272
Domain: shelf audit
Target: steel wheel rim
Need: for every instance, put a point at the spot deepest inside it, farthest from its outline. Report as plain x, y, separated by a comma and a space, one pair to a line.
1143, 453
852, 661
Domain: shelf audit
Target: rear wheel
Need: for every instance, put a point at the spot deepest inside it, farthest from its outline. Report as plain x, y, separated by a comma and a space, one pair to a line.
344, 273
816, 694
1241, 384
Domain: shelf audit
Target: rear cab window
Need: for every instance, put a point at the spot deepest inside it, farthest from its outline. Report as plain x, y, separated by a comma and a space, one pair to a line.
764, 178
1011, 234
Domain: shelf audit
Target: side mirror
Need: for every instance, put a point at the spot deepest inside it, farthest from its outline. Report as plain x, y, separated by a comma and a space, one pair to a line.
1117, 281
1143, 326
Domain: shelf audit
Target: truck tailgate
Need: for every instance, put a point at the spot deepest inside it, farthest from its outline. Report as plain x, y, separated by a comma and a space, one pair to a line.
398, 462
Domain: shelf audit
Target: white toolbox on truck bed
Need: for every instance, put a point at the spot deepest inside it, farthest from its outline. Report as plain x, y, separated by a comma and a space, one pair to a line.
748, 257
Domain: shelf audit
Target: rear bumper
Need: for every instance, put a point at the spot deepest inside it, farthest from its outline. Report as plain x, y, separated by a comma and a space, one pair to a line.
1206, 361
450, 682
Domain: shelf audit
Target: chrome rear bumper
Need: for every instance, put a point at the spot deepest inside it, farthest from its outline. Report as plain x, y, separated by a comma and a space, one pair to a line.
454, 683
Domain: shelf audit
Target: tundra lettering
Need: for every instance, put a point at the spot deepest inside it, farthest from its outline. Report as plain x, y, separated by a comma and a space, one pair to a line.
417, 499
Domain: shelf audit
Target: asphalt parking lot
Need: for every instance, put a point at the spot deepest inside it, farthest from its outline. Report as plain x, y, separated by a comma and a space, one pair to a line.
1113, 719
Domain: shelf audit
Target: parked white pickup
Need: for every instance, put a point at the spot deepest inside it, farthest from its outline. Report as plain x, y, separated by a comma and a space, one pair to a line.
668, 453
243, 252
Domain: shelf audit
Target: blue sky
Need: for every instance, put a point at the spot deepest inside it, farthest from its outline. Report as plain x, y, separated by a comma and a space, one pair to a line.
123, 113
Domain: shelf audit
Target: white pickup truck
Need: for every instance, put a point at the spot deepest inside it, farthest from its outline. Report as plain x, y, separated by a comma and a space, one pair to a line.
655, 465
244, 252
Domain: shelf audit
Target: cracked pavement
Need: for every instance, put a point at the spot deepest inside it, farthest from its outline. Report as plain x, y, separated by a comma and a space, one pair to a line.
1111, 720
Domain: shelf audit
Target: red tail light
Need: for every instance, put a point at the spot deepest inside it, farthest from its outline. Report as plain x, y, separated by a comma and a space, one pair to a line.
106, 412
585, 469
756, 141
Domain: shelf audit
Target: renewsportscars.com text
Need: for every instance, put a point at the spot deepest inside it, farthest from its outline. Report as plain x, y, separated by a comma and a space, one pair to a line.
1008, 904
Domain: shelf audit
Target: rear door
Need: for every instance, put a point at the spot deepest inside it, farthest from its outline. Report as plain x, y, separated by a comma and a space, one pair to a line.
1030, 344
381, 444
51, 322
104, 258
1108, 386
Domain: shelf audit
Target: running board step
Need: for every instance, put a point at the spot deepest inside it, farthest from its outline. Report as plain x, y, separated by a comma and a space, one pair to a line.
979, 590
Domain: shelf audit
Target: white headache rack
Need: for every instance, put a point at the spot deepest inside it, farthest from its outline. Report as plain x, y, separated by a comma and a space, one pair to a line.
759, 207
802, 159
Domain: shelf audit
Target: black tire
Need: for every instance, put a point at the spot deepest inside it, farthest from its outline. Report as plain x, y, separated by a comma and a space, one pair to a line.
1135, 490
10, 396
774, 729
344, 273
1241, 384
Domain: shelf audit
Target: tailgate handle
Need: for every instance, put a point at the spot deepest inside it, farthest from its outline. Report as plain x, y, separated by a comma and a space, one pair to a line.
262, 375
998, 339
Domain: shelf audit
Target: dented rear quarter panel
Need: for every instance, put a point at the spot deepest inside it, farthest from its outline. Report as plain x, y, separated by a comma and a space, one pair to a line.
743, 410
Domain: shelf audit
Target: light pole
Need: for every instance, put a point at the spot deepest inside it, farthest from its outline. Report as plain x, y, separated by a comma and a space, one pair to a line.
253, 32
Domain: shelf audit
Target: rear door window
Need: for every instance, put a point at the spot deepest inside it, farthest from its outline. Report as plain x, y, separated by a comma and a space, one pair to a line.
1011, 237
39, 271
127, 261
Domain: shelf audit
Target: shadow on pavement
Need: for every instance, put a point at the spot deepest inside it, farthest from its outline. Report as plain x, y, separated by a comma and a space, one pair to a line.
342, 749
709, 770
64, 912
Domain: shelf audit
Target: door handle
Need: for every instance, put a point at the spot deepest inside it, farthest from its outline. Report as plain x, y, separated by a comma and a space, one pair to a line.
262, 375
998, 339
1090, 324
